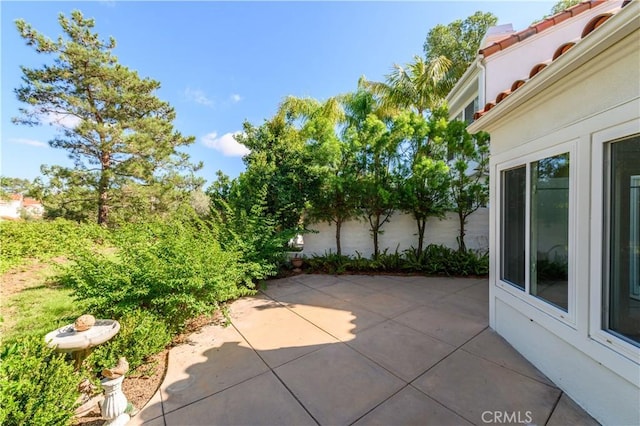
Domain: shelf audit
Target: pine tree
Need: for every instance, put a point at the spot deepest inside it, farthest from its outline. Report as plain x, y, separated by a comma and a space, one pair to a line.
119, 135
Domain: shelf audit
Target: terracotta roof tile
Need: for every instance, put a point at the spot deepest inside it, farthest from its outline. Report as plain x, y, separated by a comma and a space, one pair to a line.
595, 23
30, 202
502, 96
539, 27
544, 25
507, 42
517, 84
491, 49
562, 16
478, 114
579, 8
537, 68
527, 32
562, 49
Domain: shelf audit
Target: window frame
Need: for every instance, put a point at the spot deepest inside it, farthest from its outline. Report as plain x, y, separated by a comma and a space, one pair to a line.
600, 143
569, 316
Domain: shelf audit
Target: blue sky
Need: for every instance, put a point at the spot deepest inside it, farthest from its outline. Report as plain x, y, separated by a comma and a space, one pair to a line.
221, 63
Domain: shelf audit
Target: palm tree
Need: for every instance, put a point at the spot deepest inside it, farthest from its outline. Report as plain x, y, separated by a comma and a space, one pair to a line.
420, 85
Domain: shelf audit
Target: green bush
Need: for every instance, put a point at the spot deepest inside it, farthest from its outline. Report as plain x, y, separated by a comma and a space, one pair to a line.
37, 385
141, 335
44, 239
254, 235
434, 260
329, 263
176, 269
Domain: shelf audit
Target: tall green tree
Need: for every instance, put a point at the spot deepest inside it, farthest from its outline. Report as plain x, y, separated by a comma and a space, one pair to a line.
459, 42
469, 173
281, 160
333, 161
424, 189
9, 185
119, 135
369, 131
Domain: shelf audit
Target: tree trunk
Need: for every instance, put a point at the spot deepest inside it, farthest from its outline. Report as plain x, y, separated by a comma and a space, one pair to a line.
338, 230
375, 228
422, 224
461, 245
103, 187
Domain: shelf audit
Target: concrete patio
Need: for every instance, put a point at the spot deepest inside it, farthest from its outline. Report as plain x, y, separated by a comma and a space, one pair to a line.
364, 350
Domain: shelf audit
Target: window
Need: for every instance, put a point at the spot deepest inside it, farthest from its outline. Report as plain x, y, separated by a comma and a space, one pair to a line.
549, 266
469, 111
534, 231
621, 313
513, 226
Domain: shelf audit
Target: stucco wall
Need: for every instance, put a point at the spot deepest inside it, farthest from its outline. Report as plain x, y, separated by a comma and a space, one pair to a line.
600, 96
505, 67
400, 232
609, 398
10, 208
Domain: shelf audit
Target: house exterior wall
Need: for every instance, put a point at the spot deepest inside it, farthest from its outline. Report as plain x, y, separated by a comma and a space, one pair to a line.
10, 208
505, 67
596, 102
399, 233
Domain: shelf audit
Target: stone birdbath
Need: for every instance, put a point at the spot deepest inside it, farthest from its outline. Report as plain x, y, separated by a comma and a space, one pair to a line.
78, 339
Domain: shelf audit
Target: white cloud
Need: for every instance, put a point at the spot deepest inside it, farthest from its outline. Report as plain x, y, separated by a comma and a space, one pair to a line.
30, 142
61, 120
235, 98
197, 96
226, 144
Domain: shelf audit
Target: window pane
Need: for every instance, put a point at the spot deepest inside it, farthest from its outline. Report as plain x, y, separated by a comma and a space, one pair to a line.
550, 230
624, 239
513, 226
468, 112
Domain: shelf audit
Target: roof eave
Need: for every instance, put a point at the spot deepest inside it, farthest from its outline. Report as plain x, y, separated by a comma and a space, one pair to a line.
619, 26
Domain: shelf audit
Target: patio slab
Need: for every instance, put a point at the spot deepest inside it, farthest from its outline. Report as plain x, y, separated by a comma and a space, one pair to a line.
366, 350
280, 335
418, 352
471, 386
261, 400
334, 316
568, 412
411, 407
338, 385
208, 365
444, 324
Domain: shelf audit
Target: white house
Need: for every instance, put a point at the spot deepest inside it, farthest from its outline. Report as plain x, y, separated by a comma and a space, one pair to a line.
16, 204
562, 105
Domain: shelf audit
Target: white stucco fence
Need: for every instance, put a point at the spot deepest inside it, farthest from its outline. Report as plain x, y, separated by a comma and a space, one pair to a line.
400, 232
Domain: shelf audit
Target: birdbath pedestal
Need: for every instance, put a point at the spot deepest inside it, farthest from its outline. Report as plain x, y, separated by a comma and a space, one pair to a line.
79, 344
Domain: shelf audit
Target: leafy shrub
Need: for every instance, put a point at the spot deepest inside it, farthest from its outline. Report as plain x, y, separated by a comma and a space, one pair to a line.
44, 239
330, 263
141, 335
37, 385
176, 269
261, 245
434, 260
439, 259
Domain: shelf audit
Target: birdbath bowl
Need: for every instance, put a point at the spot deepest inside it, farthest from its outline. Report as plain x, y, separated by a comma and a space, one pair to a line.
79, 343
68, 339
